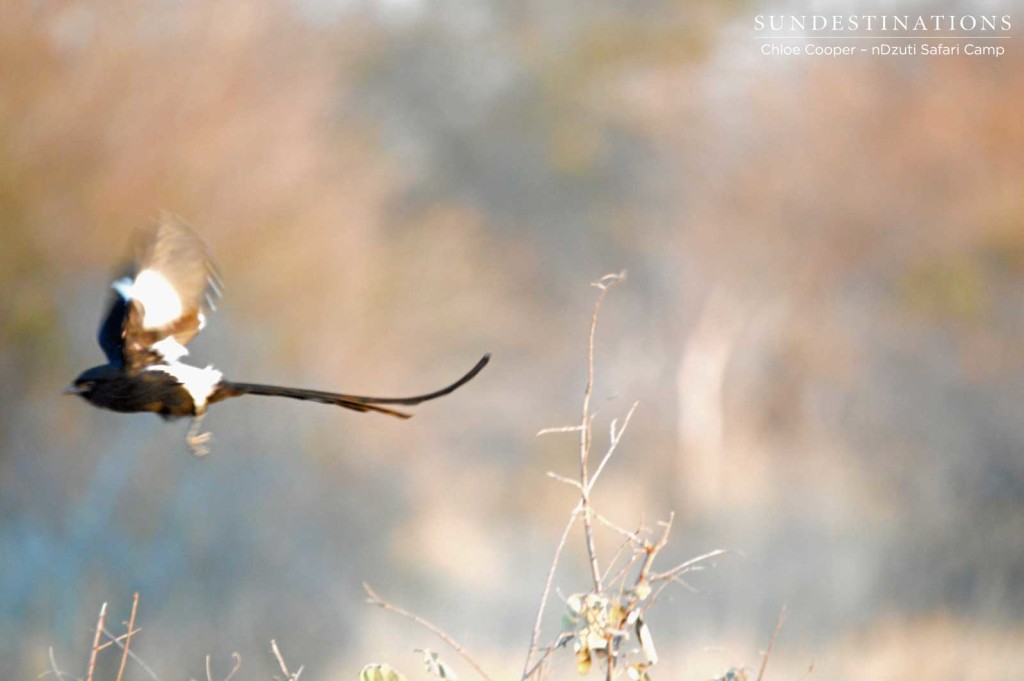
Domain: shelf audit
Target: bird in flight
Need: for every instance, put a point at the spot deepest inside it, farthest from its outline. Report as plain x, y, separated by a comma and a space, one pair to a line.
156, 308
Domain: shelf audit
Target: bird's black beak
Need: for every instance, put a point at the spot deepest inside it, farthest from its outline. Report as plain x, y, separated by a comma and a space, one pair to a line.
73, 390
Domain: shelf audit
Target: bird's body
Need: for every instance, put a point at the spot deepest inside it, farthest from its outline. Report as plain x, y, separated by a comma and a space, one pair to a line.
156, 309
155, 390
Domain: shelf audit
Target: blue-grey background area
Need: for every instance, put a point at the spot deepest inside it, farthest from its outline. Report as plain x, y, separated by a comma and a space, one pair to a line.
823, 324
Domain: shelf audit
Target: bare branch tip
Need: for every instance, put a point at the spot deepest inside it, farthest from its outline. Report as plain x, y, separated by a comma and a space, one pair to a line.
563, 479
372, 596
559, 429
609, 280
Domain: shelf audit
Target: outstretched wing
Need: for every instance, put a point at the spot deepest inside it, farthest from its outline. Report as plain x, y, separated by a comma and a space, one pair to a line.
162, 302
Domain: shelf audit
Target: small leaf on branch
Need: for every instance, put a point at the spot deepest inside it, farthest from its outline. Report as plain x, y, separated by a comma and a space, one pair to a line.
380, 672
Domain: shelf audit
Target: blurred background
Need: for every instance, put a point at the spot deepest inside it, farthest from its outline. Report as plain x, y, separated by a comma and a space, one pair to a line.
823, 324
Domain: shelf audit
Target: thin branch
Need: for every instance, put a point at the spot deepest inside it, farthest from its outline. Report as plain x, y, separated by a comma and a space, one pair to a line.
688, 564
672, 576
116, 640
563, 479
234, 670
437, 631
624, 571
631, 537
280, 661
128, 637
562, 429
586, 433
54, 669
615, 559
683, 583
562, 638
613, 443
609, 281
547, 592
652, 550
656, 595
771, 644
96, 642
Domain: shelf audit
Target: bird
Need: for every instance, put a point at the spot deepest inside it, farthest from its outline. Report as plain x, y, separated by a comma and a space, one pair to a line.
157, 306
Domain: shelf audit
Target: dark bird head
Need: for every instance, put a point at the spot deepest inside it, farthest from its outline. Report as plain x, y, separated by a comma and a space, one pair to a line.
91, 380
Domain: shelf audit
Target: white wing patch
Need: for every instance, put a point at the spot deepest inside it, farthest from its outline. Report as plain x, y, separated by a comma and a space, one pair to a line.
170, 349
161, 304
123, 286
200, 383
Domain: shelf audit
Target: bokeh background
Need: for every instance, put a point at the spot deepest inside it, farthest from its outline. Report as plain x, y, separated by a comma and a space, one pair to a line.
823, 324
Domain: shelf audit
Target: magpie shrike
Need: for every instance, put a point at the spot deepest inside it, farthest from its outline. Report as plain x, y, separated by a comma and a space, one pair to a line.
156, 308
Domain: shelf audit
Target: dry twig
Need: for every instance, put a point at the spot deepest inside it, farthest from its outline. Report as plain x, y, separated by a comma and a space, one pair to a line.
771, 644
632, 538
614, 437
627, 543
606, 283
117, 641
374, 599
96, 642
128, 637
54, 669
535, 635
560, 640
689, 564
234, 670
562, 429
288, 676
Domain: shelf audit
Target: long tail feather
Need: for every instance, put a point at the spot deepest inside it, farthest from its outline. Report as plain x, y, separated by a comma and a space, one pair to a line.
355, 402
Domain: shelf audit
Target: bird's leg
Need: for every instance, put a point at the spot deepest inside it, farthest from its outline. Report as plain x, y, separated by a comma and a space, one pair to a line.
195, 440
